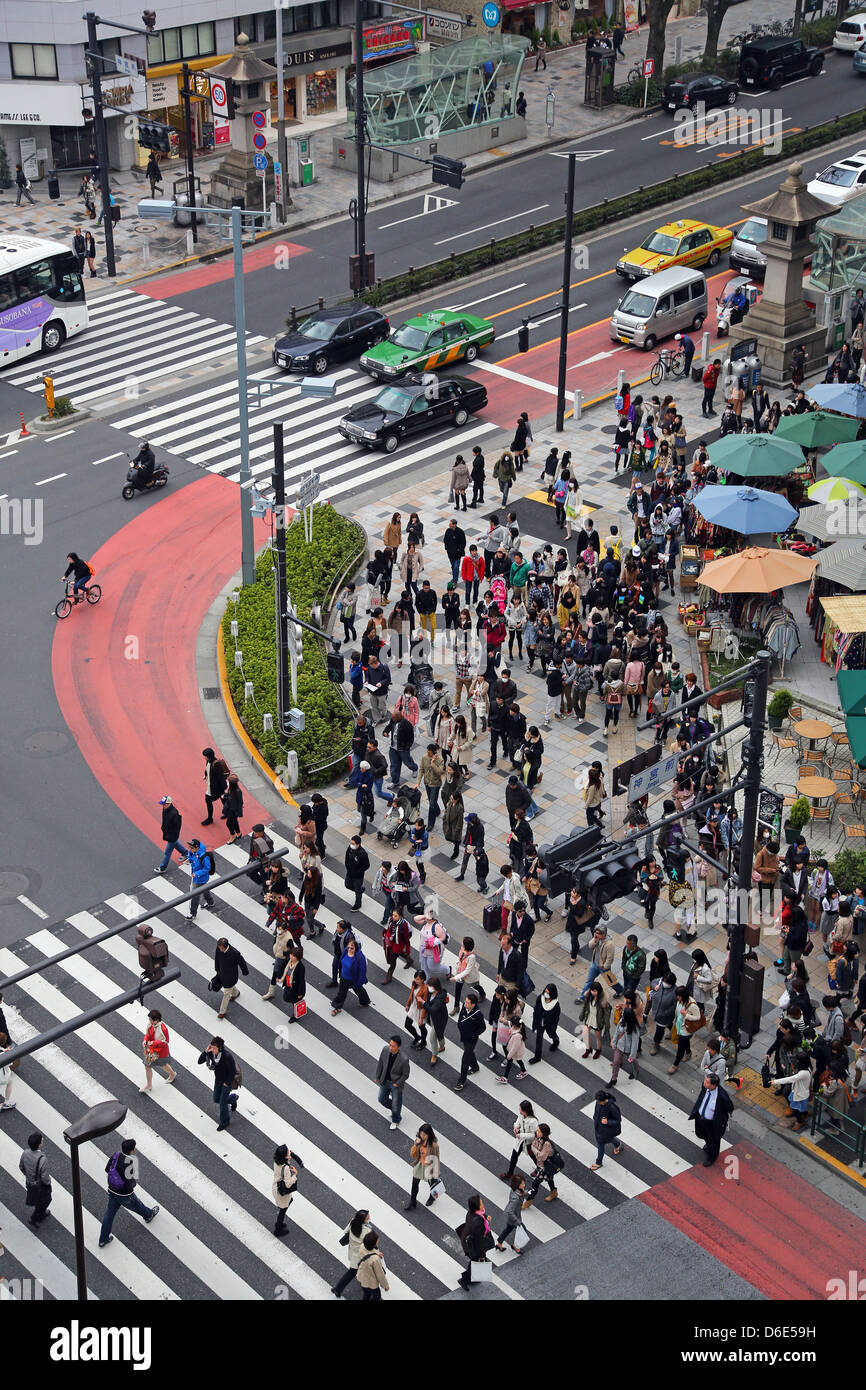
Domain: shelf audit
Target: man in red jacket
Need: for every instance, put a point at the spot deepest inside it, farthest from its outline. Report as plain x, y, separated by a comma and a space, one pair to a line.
711, 381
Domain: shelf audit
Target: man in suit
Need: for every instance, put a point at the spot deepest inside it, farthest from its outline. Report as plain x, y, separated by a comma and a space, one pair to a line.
711, 1113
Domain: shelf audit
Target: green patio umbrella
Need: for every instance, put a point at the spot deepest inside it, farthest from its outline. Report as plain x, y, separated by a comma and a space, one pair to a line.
756, 455
852, 691
817, 429
847, 460
855, 724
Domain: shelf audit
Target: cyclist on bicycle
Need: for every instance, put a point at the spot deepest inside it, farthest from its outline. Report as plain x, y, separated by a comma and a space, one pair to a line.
145, 462
82, 572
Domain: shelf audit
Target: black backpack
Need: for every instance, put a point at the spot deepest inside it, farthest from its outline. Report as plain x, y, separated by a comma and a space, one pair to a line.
211, 862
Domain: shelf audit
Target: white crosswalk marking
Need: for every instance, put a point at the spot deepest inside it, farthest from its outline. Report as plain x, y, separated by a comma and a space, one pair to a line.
309, 1085
131, 339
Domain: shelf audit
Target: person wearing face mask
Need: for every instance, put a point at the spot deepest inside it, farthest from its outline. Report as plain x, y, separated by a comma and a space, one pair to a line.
545, 1018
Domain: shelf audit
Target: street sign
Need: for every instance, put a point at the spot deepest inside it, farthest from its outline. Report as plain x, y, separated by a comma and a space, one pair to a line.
648, 65
126, 65
309, 489
652, 777
258, 119
260, 141
261, 162
278, 168
491, 15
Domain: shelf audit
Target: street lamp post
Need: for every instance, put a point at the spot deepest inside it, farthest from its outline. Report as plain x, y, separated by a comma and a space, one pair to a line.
248, 552
566, 292
361, 208
186, 93
101, 143
101, 1119
284, 201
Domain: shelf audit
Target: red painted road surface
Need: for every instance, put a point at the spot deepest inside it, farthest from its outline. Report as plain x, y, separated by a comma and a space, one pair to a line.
124, 671
770, 1227
199, 276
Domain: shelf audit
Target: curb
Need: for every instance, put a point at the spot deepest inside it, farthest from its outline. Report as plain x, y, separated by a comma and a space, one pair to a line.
64, 422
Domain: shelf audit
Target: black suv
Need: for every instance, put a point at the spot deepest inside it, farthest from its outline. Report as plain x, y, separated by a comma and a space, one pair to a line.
328, 336
770, 62
412, 406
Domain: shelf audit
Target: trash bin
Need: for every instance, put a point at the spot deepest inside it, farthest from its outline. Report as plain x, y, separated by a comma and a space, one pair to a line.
115, 213
183, 216
306, 172
239, 202
697, 373
53, 185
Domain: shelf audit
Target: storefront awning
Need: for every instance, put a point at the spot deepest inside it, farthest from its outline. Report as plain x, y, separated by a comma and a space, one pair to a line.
848, 612
518, 5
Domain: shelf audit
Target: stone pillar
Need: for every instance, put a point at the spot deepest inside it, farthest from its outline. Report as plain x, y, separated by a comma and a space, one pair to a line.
237, 176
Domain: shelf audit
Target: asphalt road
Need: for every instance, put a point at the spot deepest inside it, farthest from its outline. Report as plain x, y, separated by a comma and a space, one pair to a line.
64, 842
426, 226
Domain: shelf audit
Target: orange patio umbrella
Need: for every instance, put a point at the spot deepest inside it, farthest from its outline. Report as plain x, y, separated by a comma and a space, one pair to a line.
757, 570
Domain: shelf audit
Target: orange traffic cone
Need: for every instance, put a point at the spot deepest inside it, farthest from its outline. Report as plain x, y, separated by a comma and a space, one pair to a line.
24, 430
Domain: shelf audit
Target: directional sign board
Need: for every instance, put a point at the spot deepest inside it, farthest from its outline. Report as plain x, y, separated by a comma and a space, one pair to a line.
261, 162
652, 777
309, 489
126, 65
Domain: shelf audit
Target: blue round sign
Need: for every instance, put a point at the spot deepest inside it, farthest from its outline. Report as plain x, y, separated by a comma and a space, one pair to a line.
491, 15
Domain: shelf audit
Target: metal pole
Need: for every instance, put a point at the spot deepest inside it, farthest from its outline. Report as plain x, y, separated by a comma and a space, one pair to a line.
361, 215
279, 483
190, 164
752, 790
78, 1217
566, 291
248, 553
101, 143
284, 200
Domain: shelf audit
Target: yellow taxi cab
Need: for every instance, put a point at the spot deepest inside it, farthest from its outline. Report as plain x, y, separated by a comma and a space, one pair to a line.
684, 242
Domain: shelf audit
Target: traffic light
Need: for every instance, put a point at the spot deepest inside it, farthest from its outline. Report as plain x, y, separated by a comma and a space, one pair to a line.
448, 171
148, 19
230, 99
154, 135
559, 856
523, 336
336, 671
614, 878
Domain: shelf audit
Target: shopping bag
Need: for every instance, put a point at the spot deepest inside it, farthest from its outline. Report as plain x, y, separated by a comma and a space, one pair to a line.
481, 1272
437, 1188
521, 1238
300, 1008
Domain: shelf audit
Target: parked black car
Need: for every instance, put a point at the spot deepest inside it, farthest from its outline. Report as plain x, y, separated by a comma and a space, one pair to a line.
770, 62
329, 336
411, 407
693, 87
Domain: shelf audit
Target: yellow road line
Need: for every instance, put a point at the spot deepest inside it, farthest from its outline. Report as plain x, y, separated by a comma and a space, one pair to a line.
836, 1163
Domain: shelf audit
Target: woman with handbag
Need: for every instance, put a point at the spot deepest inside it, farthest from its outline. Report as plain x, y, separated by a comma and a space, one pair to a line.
233, 802
283, 1187
592, 1019
396, 942
353, 1237
523, 1129
701, 982
767, 871
465, 972
155, 1046
820, 883
536, 884
513, 1217
424, 1155
416, 1010
800, 1082
688, 1018
634, 678
547, 1165
282, 945
294, 983
312, 895
593, 795
34, 1165
515, 1051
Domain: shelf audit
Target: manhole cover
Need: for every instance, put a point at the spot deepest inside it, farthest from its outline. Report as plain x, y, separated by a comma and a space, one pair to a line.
44, 743
210, 692
14, 883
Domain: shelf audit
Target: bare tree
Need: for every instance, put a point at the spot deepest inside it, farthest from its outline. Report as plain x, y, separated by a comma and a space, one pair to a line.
716, 11
657, 14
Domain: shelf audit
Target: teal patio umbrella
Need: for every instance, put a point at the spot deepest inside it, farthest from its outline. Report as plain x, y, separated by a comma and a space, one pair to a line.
756, 455
855, 725
817, 429
852, 691
847, 460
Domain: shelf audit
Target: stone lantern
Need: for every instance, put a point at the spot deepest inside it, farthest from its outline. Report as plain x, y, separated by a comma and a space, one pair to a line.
782, 320
237, 176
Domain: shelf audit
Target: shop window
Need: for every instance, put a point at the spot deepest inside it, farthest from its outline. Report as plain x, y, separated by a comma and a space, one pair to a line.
321, 92
31, 60
246, 24
173, 45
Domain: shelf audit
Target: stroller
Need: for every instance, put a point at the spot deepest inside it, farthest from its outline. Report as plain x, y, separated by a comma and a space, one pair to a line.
403, 807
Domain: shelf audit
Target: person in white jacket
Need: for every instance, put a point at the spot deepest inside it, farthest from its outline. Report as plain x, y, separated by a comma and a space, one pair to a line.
525, 1125
465, 972
801, 1086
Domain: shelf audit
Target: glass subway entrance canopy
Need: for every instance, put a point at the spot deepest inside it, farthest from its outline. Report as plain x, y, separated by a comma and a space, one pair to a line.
839, 261
455, 87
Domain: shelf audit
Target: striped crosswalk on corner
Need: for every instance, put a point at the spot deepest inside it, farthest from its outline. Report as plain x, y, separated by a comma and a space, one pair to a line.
309, 1086
132, 340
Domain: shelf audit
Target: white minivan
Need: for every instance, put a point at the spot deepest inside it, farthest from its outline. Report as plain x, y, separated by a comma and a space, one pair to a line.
660, 306
851, 33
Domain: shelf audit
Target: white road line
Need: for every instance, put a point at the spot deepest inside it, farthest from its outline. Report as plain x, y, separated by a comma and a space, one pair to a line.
548, 318
473, 231
8, 454
426, 213
33, 1254
50, 439
55, 478
599, 357
25, 902
458, 308
108, 457
519, 377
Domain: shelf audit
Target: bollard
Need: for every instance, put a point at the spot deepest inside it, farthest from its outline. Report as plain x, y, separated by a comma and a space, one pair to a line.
24, 432
578, 403
620, 378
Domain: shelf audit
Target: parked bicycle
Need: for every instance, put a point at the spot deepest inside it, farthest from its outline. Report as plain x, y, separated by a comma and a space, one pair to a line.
93, 593
635, 74
670, 362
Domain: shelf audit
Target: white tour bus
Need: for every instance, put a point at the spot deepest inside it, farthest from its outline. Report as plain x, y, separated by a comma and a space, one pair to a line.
41, 296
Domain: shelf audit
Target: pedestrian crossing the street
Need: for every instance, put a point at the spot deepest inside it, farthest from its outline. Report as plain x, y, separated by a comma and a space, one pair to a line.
205, 429
309, 1085
132, 340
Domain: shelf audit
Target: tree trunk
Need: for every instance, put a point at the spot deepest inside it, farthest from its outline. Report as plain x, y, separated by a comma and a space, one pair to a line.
798, 17
657, 15
715, 15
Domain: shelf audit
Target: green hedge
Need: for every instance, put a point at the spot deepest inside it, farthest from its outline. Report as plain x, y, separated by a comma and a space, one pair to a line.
454, 267
849, 869
311, 571
820, 32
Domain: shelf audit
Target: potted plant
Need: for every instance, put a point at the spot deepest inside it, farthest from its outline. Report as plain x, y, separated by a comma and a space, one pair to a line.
779, 708
798, 817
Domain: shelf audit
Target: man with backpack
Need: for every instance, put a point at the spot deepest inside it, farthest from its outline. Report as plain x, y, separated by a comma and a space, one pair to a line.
202, 864
122, 1170
261, 845
226, 1074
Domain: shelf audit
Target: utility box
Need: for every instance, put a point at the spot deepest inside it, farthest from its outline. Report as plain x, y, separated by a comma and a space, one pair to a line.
751, 997
161, 208
600, 73
302, 167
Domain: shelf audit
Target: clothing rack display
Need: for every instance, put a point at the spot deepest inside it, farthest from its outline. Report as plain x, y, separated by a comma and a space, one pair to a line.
767, 618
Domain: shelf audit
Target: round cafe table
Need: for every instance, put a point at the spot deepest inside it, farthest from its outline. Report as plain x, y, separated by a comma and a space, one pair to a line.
816, 788
813, 729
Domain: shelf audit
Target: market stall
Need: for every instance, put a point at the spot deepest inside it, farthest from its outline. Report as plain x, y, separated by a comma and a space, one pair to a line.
754, 579
844, 633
